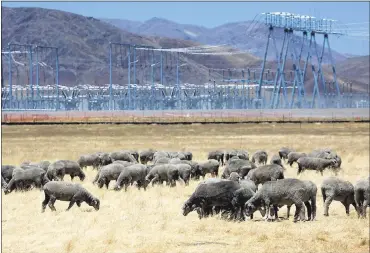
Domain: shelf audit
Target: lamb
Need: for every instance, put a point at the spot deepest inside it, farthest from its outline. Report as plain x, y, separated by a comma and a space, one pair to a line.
334, 188
312, 163
264, 173
282, 192
64, 191
260, 157
294, 156
362, 196
284, 152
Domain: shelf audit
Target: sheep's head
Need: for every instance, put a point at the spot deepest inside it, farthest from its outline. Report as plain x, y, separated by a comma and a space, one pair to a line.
187, 208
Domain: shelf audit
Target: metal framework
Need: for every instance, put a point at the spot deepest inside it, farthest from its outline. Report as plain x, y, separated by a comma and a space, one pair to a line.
142, 77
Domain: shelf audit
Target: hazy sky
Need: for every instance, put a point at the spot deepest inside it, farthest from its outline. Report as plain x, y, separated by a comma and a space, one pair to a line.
211, 14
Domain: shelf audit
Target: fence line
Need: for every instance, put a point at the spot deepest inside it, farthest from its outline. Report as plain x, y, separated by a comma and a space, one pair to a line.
229, 116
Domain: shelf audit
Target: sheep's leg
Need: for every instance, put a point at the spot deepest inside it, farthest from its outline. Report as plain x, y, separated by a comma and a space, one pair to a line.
327, 203
72, 176
71, 203
51, 203
276, 212
364, 207
45, 202
288, 211
78, 203
298, 209
346, 206
107, 184
96, 178
309, 210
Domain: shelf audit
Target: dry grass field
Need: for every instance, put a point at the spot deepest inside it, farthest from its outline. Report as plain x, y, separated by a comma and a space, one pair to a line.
151, 221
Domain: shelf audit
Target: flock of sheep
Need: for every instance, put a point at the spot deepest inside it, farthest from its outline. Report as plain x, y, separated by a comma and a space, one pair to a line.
235, 194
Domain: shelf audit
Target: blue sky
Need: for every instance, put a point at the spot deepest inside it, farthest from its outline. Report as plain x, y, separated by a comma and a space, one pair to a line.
211, 14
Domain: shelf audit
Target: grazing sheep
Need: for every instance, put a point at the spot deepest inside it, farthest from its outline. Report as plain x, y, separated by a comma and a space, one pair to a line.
211, 194
362, 196
57, 170
312, 188
160, 154
23, 179
241, 154
334, 188
210, 166
284, 152
240, 197
89, 160
163, 172
133, 173
74, 193
275, 159
184, 172
217, 155
294, 156
193, 165
122, 156
108, 173
43, 164
264, 173
327, 153
147, 156
311, 163
282, 192
7, 171
104, 158
237, 165
260, 157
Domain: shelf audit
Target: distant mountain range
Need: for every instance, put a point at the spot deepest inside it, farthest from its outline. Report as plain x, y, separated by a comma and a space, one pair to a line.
83, 44
249, 36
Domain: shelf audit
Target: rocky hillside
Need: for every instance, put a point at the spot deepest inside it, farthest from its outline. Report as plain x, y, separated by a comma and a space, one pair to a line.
83, 44
242, 35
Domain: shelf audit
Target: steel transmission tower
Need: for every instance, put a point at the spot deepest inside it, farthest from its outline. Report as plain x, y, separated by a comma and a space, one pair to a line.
307, 58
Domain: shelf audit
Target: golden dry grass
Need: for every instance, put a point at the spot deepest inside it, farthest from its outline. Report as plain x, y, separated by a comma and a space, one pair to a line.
151, 221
